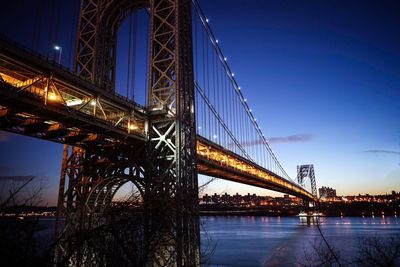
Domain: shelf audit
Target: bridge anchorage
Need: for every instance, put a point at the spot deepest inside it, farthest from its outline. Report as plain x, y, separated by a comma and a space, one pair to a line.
196, 121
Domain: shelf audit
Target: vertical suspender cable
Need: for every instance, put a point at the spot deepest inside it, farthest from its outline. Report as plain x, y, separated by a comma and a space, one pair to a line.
224, 102
196, 76
50, 28
73, 32
242, 125
146, 72
231, 109
134, 48
237, 121
208, 91
218, 96
204, 82
129, 57
214, 95
36, 25
57, 24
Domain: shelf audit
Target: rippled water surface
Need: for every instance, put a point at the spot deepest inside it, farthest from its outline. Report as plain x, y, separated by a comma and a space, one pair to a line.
281, 241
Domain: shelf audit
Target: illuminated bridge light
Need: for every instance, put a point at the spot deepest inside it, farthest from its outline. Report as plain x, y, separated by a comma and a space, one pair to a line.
74, 102
52, 96
133, 126
220, 157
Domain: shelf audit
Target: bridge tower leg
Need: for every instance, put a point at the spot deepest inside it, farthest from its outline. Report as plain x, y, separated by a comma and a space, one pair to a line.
172, 188
167, 167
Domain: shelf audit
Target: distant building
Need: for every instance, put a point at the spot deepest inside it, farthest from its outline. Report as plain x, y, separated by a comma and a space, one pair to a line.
325, 192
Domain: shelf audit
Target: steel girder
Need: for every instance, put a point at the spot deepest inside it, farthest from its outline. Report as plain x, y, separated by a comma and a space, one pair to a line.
172, 188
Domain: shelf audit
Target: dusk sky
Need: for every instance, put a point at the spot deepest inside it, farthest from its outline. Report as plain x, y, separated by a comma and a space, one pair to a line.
322, 78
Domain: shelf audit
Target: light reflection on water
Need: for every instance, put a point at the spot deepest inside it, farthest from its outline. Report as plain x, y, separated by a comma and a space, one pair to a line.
271, 241
281, 241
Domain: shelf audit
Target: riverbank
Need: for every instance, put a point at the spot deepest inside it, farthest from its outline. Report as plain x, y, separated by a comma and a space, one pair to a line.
354, 209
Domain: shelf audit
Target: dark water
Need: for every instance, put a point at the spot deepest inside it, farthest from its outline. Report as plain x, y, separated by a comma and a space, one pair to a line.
270, 241
282, 241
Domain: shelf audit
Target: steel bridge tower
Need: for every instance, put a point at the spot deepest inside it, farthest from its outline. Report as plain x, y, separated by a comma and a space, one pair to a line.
307, 171
163, 167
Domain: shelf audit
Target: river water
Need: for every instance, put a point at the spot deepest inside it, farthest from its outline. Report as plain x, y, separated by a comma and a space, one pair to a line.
272, 241
282, 241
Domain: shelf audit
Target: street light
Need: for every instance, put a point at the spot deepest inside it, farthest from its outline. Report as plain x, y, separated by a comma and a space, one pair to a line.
59, 49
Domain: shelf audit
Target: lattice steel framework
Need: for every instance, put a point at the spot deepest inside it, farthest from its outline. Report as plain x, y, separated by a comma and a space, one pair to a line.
96, 45
172, 131
89, 180
164, 169
304, 171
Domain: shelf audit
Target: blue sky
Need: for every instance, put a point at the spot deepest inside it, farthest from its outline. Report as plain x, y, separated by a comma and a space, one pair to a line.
328, 71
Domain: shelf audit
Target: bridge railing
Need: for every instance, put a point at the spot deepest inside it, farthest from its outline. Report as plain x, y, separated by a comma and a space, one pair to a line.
51, 60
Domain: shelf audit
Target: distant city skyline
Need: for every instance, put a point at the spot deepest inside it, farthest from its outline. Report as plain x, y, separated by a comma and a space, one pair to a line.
322, 79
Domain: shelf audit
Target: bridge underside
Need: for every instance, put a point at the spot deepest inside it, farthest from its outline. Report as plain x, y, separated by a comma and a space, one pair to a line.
42, 100
36, 100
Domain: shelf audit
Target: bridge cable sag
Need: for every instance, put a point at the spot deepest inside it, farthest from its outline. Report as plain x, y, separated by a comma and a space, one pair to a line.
236, 116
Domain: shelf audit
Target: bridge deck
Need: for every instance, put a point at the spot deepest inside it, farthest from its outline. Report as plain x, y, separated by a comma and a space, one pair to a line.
41, 99
45, 100
214, 160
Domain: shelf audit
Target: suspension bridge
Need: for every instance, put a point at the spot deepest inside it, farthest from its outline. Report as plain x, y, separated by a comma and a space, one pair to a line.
195, 120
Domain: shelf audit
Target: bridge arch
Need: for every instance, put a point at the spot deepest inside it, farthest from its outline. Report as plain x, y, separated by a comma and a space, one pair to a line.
101, 196
95, 56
